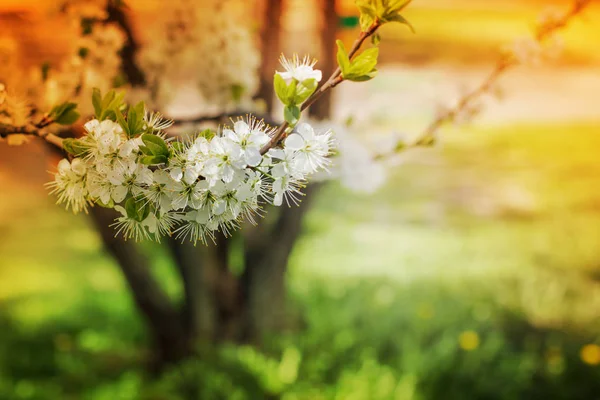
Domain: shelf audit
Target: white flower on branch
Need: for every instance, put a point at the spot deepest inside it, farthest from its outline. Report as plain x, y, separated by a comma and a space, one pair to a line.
69, 185
299, 69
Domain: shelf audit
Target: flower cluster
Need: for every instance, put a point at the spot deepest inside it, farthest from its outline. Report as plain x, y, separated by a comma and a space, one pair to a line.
192, 188
225, 74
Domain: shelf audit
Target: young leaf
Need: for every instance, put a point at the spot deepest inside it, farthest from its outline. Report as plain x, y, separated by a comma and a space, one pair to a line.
399, 18
291, 115
376, 39
74, 147
135, 119
65, 113
364, 63
137, 209
395, 6
68, 118
156, 145
122, 122
153, 160
366, 21
208, 134
368, 13
342, 58
304, 89
97, 102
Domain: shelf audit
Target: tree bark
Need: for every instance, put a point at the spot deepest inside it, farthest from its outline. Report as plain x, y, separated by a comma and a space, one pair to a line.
270, 47
198, 309
265, 271
327, 62
161, 318
133, 73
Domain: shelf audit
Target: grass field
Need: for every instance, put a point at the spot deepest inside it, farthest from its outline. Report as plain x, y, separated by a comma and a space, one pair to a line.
411, 290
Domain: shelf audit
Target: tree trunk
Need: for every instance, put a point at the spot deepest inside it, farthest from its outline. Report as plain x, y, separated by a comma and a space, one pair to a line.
161, 318
133, 73
265, 270
270, 44
198, 310
322, 108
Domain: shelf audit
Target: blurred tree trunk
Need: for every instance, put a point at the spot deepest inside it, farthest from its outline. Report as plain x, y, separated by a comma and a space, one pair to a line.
327, 62
217, 304
270, 47
131, 71
198, 309
266, 261
161, 317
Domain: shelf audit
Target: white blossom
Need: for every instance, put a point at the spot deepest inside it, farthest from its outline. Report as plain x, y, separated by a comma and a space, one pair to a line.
299, 69
70, 184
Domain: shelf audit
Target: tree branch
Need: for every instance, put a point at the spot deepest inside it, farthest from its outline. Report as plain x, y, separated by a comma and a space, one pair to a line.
334, 80
505, 63
36, 130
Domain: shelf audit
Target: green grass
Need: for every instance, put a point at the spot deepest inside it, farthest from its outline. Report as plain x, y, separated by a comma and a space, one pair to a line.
495, 233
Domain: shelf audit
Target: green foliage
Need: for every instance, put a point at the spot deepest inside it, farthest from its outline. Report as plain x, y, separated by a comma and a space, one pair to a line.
137, 208
208, 134
285, 92
134, 124
381, 11
291, 115
294, 93
74, 147
304, 90
155, 150
360, 68
109, 106
379, 320
65, 113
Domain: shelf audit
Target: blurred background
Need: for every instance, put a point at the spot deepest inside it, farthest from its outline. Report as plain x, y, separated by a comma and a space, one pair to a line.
473, 273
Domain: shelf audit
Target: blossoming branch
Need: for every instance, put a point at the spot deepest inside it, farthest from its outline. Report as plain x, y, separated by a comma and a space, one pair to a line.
214, 180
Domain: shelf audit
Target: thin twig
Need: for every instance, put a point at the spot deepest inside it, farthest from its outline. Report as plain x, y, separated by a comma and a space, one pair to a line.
334, 80
506, 62
35, 130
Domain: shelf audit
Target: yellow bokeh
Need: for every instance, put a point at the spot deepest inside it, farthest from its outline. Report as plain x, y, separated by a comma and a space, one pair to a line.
590, 354
469, 340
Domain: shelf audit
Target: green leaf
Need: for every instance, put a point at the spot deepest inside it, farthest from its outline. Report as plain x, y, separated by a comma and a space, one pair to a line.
368, 13
137, 209
364, 63
342, 58
286, 93
111, 103
365, 77
65, 113
97, 102
122, 122
304, 90
366, 21
153, 160
208, 134
135, 119
156, 145
291, 115
111, 203
395, 6
74, 147
399, 18
376, 39
68, 118
365, 7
